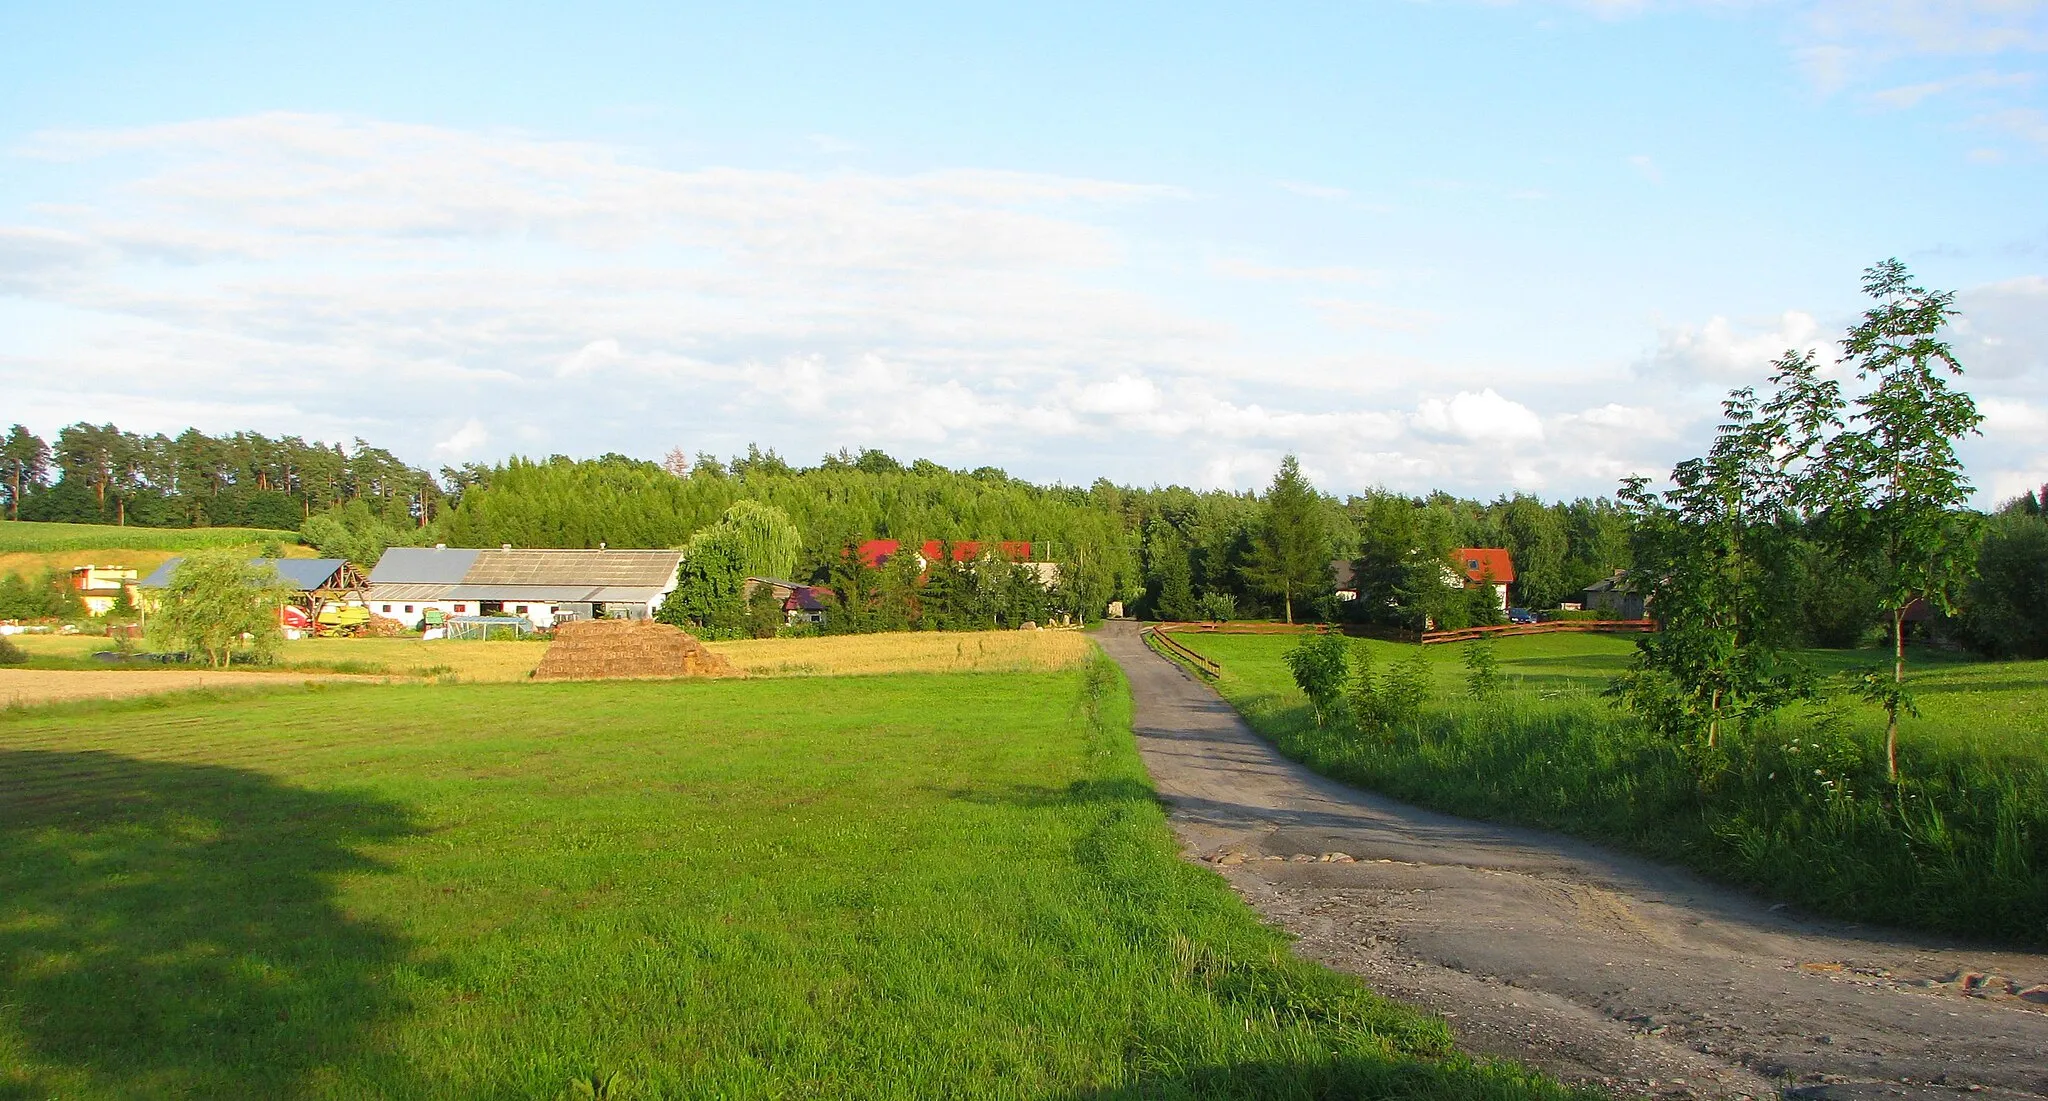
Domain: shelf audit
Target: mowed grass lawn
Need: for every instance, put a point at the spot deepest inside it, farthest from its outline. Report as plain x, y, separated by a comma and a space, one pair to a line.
901, 886
1800, 807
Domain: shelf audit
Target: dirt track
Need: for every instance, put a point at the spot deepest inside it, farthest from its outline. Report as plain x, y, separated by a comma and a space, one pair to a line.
1594, 966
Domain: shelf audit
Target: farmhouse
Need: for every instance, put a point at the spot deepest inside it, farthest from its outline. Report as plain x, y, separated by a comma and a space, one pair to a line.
415, 584
99, 587
1477, 566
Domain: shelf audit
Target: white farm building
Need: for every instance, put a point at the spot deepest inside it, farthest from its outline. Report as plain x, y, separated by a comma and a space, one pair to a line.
545, 586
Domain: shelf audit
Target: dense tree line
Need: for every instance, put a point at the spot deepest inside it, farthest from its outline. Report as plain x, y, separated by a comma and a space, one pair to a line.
99, 474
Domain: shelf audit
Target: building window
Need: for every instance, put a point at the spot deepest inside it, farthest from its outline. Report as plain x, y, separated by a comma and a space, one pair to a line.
408, 607
460, 608
387, 607
520, 608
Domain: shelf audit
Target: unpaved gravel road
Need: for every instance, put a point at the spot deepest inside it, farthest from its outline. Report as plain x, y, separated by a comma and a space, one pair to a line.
1594, 966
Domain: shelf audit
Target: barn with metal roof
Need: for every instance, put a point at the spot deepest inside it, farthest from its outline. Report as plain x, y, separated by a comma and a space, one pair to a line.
421, 585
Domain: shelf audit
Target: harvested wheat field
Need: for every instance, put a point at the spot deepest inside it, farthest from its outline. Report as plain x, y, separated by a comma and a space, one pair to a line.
910, 652
603, 649
28, 687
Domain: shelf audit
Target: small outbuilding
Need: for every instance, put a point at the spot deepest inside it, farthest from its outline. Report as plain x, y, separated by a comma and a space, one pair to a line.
1614, 597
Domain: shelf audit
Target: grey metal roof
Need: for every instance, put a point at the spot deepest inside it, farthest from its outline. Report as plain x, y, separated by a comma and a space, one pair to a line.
523, 592
303, 574
652, 569
423, 565
578, 576
404, 591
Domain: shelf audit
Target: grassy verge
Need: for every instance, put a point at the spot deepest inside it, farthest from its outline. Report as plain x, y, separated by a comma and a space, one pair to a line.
910, 886
1801, 810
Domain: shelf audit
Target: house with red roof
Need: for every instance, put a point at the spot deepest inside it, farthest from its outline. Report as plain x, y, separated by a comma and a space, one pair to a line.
1477, 566
876, 553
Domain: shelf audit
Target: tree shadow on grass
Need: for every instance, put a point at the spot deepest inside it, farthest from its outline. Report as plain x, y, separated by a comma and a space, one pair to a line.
1041, 796
172, 929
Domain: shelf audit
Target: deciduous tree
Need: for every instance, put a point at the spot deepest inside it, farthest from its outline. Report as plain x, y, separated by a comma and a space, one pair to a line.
1892, 485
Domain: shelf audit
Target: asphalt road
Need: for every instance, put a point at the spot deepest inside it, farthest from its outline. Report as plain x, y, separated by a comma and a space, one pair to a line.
1592, 965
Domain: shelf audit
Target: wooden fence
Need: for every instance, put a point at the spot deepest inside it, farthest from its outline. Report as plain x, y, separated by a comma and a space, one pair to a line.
1395, 634
1554, 627
1207, 665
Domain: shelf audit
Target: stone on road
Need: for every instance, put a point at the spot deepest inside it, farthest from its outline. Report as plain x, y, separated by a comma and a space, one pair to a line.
1594, 966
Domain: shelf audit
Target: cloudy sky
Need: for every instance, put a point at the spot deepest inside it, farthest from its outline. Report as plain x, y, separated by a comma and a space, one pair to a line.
1478, 246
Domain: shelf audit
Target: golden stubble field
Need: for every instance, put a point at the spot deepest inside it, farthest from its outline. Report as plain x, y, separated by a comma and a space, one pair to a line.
476, 662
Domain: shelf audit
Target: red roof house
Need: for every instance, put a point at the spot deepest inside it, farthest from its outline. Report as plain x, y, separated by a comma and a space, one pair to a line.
875, 553
1480, 562
1484, 566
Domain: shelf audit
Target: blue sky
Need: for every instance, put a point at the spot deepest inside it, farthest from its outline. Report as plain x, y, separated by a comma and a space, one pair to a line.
1472, 246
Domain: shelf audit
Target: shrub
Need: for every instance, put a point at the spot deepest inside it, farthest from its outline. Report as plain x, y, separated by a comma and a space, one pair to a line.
1482, 670
10, 654
1319, 664
1217, 606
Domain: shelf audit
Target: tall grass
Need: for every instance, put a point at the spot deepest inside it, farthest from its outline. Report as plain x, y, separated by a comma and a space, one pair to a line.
1799, 808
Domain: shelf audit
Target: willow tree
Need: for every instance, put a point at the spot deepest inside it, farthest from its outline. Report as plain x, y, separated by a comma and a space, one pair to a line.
216, 602
768, 543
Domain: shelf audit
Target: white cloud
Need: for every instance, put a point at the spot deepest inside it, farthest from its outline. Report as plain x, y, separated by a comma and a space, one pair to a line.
2014, 415
1123, 395
2003, 332
1646, 168
589, 358
1722, 350
1481, 417
465, 442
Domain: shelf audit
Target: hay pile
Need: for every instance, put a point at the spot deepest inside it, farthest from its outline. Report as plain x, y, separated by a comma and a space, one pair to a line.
384, 627
601, 648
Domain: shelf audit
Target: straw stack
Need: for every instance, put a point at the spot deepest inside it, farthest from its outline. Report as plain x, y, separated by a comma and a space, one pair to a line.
597, 649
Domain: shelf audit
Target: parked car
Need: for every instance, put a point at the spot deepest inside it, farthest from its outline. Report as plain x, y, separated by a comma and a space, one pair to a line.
1521, 615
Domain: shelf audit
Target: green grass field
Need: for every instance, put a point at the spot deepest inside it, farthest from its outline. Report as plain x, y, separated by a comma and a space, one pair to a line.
1800, 809
897, 886
28, 536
